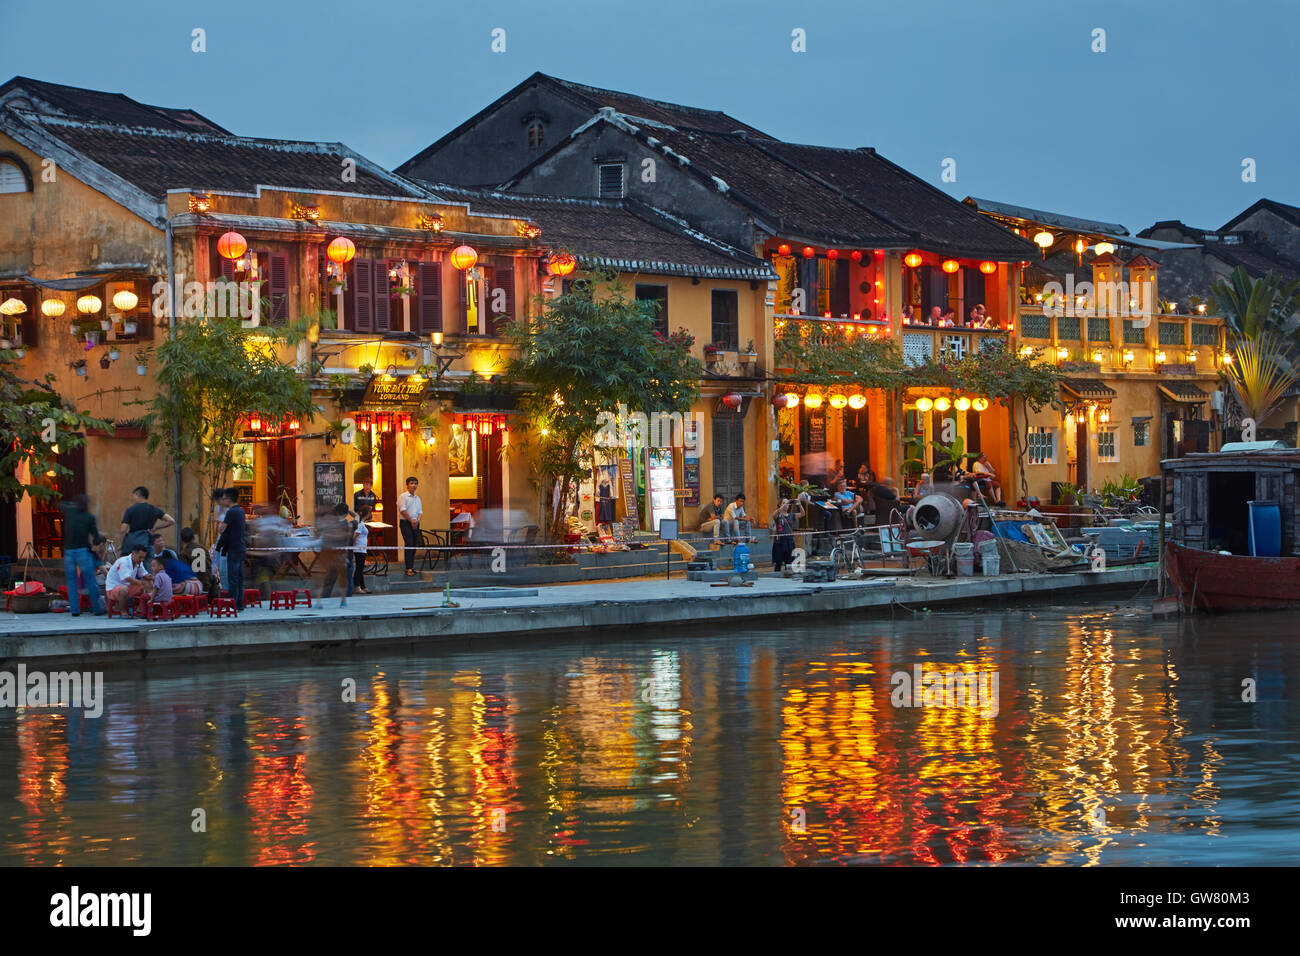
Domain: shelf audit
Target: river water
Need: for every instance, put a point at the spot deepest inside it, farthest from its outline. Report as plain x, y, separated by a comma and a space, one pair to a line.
1112, 739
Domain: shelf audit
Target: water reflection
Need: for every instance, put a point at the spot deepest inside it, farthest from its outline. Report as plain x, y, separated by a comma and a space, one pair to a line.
1113, 740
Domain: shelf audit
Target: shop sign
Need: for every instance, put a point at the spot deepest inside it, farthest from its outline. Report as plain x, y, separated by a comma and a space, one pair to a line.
383, 391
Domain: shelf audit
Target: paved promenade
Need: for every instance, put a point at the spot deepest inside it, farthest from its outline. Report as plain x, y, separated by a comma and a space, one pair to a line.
419, 618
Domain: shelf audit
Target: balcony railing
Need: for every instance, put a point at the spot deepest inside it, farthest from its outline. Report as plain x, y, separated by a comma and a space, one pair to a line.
1186, 343
927, 343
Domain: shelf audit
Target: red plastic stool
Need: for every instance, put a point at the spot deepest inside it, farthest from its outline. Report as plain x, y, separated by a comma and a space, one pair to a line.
223, 607
161, 611
200, 602
305, 599
184, 604
282, 600
142, 604
252, 596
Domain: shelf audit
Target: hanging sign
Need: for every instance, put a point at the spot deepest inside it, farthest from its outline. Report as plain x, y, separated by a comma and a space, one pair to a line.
407, 392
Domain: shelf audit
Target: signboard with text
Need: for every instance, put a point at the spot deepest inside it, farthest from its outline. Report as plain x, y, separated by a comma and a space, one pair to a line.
395, 392
331, 487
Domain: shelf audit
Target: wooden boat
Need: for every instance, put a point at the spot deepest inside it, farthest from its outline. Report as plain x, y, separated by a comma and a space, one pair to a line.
1224, 556
1214, 582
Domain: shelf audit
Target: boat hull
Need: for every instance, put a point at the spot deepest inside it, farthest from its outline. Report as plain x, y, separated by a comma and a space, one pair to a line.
1209, 581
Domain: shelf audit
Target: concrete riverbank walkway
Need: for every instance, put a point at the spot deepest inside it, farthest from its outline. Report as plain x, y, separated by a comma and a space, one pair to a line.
419, 618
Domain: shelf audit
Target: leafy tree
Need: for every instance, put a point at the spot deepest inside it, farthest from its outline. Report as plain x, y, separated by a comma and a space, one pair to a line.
588, 351
33, 419
212, 373
1257, 306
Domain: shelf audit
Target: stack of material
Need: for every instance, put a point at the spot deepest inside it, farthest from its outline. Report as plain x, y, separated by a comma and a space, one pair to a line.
1022, 556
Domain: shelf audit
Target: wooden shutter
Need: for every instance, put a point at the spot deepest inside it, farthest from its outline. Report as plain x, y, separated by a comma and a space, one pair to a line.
277, 271
728, 456
363, 295
428, 301
383, 303
462, 302
143, 315
225, 267
504, 278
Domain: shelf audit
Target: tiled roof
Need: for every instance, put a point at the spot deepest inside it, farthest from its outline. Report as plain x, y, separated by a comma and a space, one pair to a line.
797, 205
96, 105
1024, 213
626, 235
157, 160
1088, 386
1288, 212
673, 114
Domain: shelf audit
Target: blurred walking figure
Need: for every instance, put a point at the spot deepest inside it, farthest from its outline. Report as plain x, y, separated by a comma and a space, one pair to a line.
360, 544
335, 540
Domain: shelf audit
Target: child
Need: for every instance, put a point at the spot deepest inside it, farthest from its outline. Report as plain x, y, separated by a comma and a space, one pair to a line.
162, 583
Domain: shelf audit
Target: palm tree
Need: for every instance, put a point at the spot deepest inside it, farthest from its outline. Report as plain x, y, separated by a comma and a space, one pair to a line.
1256, 306
1260, 375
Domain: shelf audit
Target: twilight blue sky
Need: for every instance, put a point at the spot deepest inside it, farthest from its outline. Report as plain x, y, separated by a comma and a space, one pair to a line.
1154, 128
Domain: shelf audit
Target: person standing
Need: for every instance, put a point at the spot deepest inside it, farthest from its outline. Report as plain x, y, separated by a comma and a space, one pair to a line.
784, 520
360, 543
366, 497
231, 544
79, 534
410, 511
140, 520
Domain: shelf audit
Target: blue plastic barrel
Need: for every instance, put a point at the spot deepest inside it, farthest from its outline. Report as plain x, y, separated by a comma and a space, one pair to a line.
1265, 529
740, 559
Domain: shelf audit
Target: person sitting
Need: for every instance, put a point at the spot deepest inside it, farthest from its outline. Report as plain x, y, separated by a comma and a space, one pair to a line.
848, 505
974, 320
162, 583
924, 487
908, 315
737, 521
986, 478
837, 474
183, 577
160, 549
711, 518
936, 316
126, 580
866, 477
949, 318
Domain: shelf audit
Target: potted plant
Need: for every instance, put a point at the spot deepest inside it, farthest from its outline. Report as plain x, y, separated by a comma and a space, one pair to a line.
713, 352
105, 324
142, 361
92, 339
365, 371
748, 355
128, 327
19, 352
114, 354
79, 366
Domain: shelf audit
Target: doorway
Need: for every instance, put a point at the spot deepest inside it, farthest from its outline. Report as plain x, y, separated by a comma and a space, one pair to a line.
1081, 453
1227, 515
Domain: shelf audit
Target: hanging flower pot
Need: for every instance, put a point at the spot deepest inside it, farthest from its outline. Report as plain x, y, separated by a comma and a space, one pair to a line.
92, 338
142, 370
105, 324
80, 368
114, 354
19, 352
5, 343
129, 327
104, 362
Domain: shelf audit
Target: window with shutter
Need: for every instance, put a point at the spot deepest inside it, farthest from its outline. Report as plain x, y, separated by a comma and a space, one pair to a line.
361, 295
609, 183
12, 179
728, 455
143, 315
275, 273
29, 326
383, 301
429, 297
502, 303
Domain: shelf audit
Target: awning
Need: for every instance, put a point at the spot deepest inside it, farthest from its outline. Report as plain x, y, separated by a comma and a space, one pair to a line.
1088, 387
87, 281
1184, 392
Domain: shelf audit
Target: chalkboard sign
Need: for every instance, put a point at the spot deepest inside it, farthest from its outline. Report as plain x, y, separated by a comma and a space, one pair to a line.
817, 431
330, 487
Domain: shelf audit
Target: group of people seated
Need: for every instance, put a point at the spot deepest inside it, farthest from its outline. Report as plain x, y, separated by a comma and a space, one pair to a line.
942, 317
729, 524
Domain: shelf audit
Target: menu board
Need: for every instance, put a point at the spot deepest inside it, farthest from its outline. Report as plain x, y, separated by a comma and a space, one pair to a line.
817, 431
330, 484
659, 469
691, 477
633, 519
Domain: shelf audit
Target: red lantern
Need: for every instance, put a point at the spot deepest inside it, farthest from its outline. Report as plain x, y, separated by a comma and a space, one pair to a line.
255, 422
856, 255
783, 250
464, 257
809, 252
912, 260
231, 246
732, 400
988, 268
832, 254
560, 264
951, 265
340, 250
485, 427
779, 400
406, 423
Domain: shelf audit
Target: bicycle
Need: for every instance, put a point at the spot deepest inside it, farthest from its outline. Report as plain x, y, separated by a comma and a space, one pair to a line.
845, 553
376, 563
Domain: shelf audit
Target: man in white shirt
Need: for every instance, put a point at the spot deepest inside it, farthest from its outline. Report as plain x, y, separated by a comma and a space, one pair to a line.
735, 519
126, 579
410, 510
